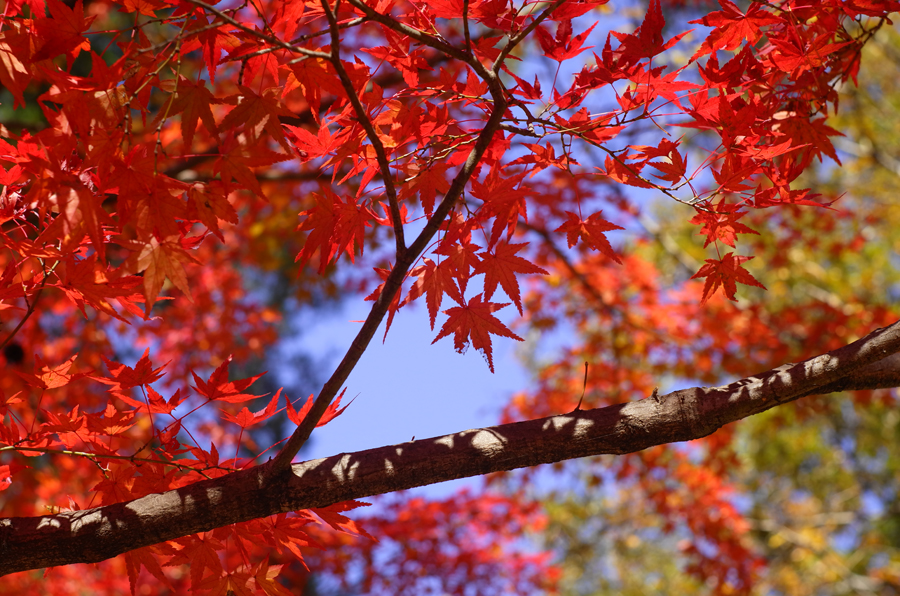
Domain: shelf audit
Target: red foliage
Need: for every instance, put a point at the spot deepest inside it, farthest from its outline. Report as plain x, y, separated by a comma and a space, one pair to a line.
179, 142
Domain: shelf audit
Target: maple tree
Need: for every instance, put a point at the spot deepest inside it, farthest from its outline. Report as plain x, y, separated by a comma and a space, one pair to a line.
164, 156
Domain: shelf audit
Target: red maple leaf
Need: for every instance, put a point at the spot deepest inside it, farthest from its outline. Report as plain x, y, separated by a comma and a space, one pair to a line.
309, 146
592, 232
428, 181
122, 377
219, 387
733, 27
433, 280
563, 47
474, 323
504, 199
62, 32
146, 558
160, 261
722, 225
501, 266
335, 226
647, 40
333, 411
332, 516
246, 418
395, 302
193, 101
725, 273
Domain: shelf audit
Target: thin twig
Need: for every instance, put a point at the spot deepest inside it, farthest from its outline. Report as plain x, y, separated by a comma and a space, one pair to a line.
272, 40
363, 117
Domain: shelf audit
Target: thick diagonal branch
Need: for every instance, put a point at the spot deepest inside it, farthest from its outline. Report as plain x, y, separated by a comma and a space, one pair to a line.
104, 532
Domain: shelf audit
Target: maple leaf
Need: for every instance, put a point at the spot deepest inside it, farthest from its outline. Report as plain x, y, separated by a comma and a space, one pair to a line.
461, 258
543, 156
647, 40
122, 377
112, 422
673, 170
265, 574
7, 471
433, 280
287, 534
446, 9
51, 377
257, 113
563, 47
218, 387
505, 200
594, 130
526, 89
628, 174
309, 146
67, 426
202, 553
160, 261
238, 157
334, 226
733, 27
314, 76
193, 102
287, 17
501, 266
722, 225
84, 281
428, 181
14, 74
146, 558
592, 232
332, 516
650, 85
154, 402
397, 54
144, 7
245, 418
333, 411
725, 273
576, 8
81, 212
208, 203
62, 32
473, 323
395, 302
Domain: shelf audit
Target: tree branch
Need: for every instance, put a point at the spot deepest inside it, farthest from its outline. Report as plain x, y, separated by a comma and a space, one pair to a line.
96, 534
363, 117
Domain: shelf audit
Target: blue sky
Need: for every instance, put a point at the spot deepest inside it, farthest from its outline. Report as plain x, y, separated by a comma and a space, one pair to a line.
405, 386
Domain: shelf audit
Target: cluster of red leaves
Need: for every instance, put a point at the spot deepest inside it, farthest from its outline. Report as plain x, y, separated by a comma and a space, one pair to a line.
180, 141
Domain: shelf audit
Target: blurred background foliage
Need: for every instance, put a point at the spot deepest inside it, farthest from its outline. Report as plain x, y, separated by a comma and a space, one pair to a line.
817, 480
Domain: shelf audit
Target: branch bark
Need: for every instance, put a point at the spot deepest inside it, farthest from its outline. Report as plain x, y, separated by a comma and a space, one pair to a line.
96, 534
